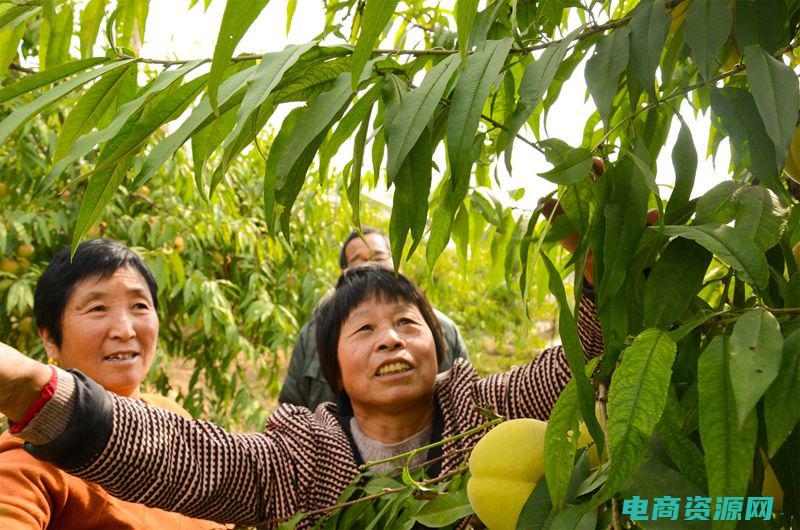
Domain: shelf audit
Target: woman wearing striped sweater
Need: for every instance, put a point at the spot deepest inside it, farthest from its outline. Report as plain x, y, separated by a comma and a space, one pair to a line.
378, 344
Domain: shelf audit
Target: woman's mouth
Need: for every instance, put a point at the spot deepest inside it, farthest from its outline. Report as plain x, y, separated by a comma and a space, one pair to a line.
121, 356
393, 368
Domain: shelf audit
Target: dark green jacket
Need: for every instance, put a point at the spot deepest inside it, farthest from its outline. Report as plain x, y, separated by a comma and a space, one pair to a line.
306, 386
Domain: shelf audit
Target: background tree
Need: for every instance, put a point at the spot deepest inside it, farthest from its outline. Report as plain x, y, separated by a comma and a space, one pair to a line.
702, 366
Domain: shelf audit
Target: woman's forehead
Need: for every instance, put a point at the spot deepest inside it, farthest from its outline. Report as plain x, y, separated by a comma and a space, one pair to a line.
381, 302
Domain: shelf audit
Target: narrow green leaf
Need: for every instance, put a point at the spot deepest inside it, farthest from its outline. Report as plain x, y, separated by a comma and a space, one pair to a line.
603, 68
323, 111
60, 36
91, 18
573, 351
538, 76
29, 110
452, 195
469, 96
682, 263
206, 140
316, 79
377, 14
271, 173
681, 450
637, 397
575, 517
466, 10
265, 78
354, 186
407, 118
575, 168
706, 29
444, 510
775, 90
9, 43
560, 443
755, 350
360, 110
13, 15
291, 6
782, 403
761, 217
412, 185
728, 449
740, 253
625, 215
649, 25
739, 114
684, 160
759, 24
239, 15
197, 118
87, 112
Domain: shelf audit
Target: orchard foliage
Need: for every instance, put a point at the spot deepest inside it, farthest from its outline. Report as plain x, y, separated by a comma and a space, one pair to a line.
701, 372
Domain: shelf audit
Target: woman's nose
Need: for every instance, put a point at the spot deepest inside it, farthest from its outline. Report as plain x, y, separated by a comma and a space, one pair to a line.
391, 339
122, 326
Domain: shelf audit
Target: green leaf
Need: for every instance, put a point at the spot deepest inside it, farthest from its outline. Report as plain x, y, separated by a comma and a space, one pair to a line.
573, 351
354, 186
9, 42
91, 18
706, 29
347, 125
315, 79
469, 96
575, 517
237, 18
649, 25
196, 119
575, 168
720, 204
538, 77
560, 443
737, 110
377, 14
444, 510
270, 172
465, 18
637, 397
265, 78
681, 450
728, 449
410, 205
740, 253
759, 23
603, 68
625, 215
683, 263
291, 6
775, 89
89, 110
782, 402
755, 350
29, 110
58, 37
206, 140
761, 217
537, 510
315, 122
407, 119
684, 160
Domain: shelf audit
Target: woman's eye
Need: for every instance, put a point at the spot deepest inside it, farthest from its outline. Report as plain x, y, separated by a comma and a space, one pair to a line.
365, 327
403, 321
97, 309
141, 305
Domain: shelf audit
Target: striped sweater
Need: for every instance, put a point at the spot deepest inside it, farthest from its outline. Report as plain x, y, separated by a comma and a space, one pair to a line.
302, 461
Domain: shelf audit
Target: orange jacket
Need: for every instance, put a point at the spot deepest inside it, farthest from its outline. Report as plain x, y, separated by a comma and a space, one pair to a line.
37, 495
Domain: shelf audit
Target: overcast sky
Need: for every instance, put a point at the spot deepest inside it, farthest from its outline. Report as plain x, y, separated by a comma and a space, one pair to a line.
174, 32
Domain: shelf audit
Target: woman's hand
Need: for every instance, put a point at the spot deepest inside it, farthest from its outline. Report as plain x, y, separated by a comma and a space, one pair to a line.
21, 382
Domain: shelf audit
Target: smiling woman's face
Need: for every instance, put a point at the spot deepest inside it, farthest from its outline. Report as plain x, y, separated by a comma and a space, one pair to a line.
387, 356
109, 331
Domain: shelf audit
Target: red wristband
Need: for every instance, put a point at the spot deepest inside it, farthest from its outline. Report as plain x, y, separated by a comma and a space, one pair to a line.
48, 392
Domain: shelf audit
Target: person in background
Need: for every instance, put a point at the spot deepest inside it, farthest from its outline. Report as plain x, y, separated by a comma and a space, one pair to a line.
95, 313
305, 384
